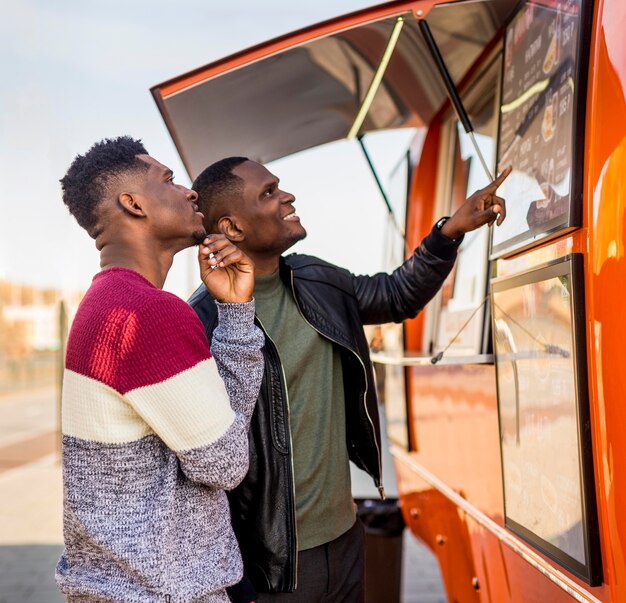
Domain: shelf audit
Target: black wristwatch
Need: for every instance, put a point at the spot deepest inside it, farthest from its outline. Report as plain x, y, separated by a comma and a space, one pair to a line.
439, 224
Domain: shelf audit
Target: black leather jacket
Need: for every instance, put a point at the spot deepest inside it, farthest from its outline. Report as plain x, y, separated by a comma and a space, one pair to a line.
335, 303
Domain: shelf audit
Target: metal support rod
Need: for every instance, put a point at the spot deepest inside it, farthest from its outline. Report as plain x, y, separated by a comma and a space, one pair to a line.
382, 191
480, 155
453, 94
377, 79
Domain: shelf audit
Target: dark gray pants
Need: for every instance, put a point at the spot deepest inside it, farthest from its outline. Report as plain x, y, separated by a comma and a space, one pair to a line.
329, 573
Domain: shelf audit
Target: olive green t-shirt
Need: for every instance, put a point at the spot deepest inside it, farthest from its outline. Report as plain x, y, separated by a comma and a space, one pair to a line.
314, 379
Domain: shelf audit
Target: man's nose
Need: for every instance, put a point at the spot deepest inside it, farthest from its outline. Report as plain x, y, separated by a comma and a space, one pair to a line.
287, 197
192, 195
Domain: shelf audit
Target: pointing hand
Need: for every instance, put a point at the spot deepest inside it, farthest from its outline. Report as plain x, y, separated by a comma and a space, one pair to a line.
483, 207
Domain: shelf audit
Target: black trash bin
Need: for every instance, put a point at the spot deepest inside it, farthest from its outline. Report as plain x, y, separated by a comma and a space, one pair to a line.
384, 526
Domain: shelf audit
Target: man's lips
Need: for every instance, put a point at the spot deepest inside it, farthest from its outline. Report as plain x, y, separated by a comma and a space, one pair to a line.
292, 217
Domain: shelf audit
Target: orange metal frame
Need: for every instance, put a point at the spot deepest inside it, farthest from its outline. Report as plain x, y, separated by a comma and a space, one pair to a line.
245, 57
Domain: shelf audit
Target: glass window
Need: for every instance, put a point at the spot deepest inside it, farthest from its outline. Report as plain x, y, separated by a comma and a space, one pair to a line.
462, 314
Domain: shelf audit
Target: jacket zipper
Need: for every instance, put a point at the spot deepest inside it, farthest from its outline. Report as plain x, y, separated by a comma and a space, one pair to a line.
293, 487
378, 482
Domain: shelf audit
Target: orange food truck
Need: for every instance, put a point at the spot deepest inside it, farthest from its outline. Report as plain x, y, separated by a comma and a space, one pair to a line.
504, 402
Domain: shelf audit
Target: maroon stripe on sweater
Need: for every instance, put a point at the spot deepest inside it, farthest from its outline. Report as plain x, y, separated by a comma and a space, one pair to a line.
123, 321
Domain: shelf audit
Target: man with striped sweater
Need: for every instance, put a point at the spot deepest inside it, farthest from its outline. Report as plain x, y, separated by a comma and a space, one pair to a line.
154, 424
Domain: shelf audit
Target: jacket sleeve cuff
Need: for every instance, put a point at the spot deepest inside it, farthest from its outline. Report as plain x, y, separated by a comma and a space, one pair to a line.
440, 245
242, 592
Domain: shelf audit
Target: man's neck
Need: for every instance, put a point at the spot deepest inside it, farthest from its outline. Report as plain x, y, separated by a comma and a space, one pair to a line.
152, 266
264, 266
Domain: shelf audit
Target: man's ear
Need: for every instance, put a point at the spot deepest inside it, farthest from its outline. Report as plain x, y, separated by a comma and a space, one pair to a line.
131, 203
228, 227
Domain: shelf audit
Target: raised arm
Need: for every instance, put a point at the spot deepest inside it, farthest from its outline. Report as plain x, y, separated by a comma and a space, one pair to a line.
228, 275
402, 294
184, 400
202, 411
238, 355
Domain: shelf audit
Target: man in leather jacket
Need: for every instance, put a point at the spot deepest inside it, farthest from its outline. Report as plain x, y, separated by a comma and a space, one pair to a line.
293, 514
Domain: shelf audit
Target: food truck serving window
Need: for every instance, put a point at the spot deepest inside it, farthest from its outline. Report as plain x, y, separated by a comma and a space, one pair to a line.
541, 121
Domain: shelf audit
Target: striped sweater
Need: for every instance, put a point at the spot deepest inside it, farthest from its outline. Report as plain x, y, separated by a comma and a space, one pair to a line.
154, 430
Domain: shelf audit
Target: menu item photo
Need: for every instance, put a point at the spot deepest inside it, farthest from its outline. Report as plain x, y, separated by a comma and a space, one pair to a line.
552, 56
548, 125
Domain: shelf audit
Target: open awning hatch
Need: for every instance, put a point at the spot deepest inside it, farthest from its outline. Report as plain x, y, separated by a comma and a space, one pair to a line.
306, 88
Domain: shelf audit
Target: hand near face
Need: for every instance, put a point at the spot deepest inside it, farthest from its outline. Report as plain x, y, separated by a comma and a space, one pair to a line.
229, 273
483, 207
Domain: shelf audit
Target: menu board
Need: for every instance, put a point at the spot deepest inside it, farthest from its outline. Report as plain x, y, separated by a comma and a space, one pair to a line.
538, 123
543, 408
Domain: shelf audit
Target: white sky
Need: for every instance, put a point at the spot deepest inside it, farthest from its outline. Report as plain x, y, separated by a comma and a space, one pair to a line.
76, 72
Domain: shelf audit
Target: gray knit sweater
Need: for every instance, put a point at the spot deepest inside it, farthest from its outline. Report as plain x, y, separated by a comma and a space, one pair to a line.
154, 430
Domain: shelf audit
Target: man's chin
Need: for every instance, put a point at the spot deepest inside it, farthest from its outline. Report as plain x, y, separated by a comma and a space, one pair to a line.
199, 236
297, 238
302, 235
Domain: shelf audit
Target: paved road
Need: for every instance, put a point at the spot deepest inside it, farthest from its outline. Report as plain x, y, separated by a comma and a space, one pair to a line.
31, 505
31, 536
28, 426
26, 574
27, 413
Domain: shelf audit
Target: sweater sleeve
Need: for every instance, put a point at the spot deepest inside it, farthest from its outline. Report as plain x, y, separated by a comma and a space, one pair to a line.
177, 390
237, 351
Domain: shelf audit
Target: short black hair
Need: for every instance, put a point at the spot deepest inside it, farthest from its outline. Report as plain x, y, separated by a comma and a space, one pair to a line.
216, 185
86, 183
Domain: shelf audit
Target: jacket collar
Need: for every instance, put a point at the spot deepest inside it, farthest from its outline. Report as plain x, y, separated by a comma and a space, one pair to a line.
307, 302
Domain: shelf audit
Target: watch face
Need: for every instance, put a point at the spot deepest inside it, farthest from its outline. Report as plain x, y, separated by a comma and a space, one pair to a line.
441, 222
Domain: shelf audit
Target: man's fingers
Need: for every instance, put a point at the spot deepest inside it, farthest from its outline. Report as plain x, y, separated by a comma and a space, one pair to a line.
493, 213
232, 256
488, 216
221, 252
220, 247
499, 207
504, 174
493, 186
215, 243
